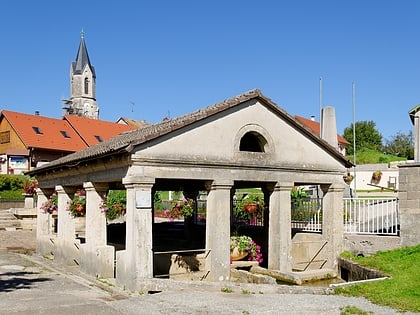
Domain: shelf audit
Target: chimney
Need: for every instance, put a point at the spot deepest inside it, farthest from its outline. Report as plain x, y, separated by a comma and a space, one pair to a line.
329, 127
313, 118
36, 113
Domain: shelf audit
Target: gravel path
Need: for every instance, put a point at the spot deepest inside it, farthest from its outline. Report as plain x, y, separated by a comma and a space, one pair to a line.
30, 284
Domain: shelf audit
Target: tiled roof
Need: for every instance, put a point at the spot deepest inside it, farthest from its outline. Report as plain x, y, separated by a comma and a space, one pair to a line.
132, 122
314, 127
93, 131
42, 132
127, 141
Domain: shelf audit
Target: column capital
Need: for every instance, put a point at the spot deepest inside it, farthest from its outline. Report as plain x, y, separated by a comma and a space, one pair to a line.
283, 186
334, 187
65, 189
138, 181
95, 186
226, 184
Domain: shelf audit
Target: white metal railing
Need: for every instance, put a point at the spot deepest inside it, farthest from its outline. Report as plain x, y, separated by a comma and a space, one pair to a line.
307, 215
371, 216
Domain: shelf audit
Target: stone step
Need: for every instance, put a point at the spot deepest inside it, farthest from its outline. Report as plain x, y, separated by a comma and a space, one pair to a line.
8, 220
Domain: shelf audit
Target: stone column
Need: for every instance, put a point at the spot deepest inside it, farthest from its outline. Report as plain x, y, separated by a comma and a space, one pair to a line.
96, 257
416, 121
135, 263
332, 222
67, 248
44, 224
409, 203
279, 231
218, 230
95, 219
29, 201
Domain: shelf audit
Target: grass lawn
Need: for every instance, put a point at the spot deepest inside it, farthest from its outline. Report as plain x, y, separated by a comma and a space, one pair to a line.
402, 290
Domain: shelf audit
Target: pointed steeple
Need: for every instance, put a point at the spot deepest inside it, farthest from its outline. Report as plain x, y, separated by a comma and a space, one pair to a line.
82, 100
82, 58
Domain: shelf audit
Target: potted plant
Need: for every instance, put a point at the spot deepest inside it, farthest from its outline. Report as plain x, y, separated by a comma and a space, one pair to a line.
51, 205
376, 177
348, 178
180, 208
113, 205
77, 206
242, 246
29, 186
248, 206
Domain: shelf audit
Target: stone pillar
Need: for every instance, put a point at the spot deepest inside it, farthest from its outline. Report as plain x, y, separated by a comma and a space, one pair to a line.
329, 126
29, 201
67, 248
44, 224
416, 122
96, 257
409, 203
218, 230
95, 219
135, 263
280, 230
332, 222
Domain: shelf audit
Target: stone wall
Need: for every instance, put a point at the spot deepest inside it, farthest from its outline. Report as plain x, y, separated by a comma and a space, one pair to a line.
352, 271
409, 195
366, 245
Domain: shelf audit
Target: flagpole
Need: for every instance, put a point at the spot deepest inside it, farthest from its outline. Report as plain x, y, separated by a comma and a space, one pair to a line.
354, 132
320, 107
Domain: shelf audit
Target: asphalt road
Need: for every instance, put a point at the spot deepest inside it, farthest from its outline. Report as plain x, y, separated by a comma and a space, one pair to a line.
30, 284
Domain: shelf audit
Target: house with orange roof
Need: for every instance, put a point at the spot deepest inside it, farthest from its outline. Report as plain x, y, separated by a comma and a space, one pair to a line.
314, 126
30, 140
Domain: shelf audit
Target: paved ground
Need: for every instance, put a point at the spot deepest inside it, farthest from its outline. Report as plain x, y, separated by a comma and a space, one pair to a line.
30, 284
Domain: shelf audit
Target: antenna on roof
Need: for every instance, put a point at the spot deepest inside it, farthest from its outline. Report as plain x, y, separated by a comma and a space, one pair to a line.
320, 107
132, 106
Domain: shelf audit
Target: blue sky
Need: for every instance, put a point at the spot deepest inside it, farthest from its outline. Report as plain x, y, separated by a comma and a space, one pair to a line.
169, 58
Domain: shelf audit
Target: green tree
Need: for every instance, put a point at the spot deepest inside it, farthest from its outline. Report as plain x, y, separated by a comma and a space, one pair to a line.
367, 136
401, 145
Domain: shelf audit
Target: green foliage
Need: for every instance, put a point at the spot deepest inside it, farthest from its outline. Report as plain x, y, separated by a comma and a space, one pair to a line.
12, 182
239, 211
158, 204
11, 195
77, 206
353, 310
51, 205
401, 145
180, 208
298, 193
368, 156
402, 290
226, 290
114, 204
367, 136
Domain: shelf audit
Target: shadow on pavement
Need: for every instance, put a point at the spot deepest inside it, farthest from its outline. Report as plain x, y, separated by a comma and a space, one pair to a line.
10, 281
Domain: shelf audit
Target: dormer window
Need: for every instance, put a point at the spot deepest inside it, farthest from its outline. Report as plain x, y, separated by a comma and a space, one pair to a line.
252, 142
64, 134
99, 138
37, 130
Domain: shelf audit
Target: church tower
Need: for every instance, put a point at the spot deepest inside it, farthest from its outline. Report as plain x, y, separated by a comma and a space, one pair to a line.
82, 100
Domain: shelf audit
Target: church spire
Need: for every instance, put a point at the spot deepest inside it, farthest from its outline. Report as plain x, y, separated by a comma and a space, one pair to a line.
82, 101
82, 58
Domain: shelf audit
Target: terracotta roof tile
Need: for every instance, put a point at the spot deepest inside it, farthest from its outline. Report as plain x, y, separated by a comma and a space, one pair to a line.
93, 131
314, 127
42, 132
127, 141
